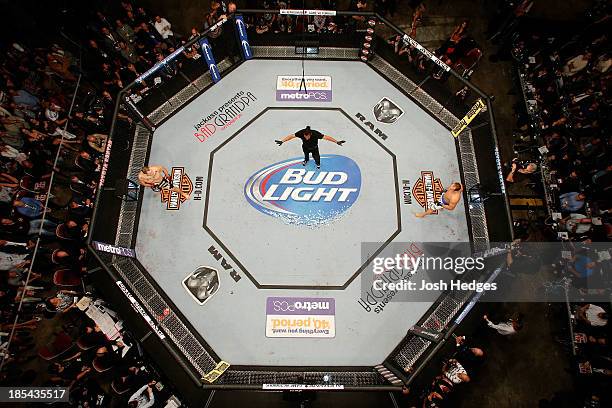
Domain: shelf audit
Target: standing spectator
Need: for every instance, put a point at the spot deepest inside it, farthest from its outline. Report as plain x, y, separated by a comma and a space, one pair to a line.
511, 327
357, 22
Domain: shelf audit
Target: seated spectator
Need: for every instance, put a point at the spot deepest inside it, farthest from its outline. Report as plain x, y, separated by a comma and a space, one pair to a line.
453, 48
110, 40
576, 64
592, 315
143, 397
87, 162
164, 28
147, 37
433, 400
262, 26
67, 373
128, 53
576, 223
29, 207
467, 356
71, 230
572, 201
125, 32
521, 171
582, 267
63, 301
455, 372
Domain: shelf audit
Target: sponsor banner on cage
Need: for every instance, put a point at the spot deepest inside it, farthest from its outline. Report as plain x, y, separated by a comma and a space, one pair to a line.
159, 64
209, 58
216, 372
112, 249
295, 12
104, 170
280, 387
245, 48
408, 40
468, 118
310, 88
138, 308
291, 317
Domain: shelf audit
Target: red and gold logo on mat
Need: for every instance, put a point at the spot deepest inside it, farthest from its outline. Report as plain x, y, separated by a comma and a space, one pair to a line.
180, 180
427, 190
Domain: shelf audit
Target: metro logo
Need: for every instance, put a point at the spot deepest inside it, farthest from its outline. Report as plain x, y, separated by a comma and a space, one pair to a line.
310, 88
305, 197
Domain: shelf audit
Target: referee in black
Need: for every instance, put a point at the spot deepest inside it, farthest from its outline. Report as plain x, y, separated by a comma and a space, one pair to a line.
310, 143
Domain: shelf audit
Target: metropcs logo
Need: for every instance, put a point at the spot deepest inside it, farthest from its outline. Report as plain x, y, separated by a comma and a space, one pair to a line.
309, 88
282, 305
299, 196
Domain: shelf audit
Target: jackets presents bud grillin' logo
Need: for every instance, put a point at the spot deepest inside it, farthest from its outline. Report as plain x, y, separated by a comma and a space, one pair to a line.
427, 190
300, 196
181, 180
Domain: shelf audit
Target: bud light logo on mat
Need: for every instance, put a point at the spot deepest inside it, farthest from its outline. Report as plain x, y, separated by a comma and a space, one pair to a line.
302, 196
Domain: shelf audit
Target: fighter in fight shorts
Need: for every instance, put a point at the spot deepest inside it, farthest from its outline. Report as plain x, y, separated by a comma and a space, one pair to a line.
165, 183
439, 204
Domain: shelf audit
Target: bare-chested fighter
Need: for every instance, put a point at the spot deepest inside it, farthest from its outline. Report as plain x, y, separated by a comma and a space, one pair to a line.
158, 178
448, 200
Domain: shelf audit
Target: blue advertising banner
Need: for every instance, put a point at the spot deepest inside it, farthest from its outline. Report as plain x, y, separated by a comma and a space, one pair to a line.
242, 37
210, 60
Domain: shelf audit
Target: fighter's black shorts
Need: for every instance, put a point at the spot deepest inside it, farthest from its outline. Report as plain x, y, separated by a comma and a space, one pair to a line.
164, 184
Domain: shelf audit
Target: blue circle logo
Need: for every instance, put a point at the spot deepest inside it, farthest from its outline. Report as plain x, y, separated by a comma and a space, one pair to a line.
302, 196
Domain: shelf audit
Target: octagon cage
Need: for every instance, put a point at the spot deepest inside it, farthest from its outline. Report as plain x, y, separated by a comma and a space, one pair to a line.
442, 91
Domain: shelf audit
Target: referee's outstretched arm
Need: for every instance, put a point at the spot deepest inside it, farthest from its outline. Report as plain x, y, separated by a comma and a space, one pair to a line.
285, 139
331, 139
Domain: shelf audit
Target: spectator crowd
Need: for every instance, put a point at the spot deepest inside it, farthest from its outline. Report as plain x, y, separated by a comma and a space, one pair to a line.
57, 102
568, 83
